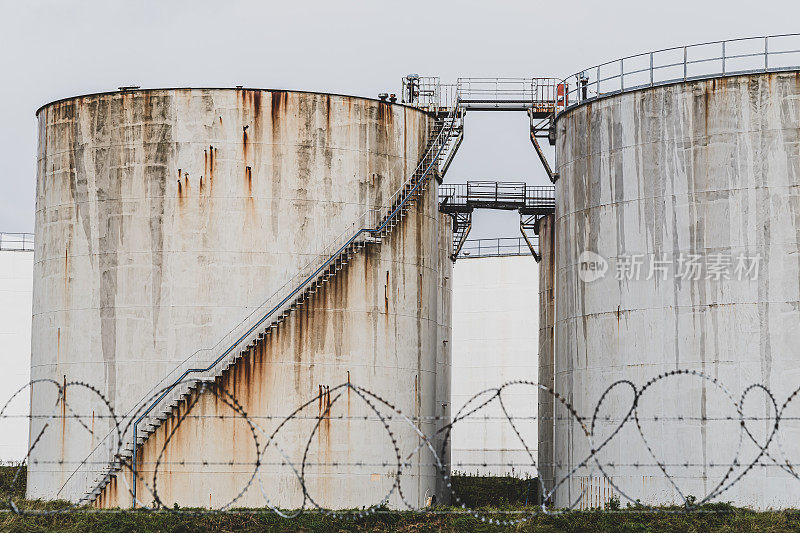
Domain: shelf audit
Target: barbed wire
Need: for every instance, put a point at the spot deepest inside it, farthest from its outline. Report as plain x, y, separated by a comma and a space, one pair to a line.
419, 448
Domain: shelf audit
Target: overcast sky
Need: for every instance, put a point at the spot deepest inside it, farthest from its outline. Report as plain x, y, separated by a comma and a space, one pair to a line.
60, 48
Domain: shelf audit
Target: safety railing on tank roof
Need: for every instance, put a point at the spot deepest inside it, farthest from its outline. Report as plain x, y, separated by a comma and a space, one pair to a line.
19, 242
201, 363
497, 247
771, 53
427, 92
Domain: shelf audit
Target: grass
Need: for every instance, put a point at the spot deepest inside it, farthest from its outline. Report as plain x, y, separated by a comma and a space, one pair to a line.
485, 493
505, 491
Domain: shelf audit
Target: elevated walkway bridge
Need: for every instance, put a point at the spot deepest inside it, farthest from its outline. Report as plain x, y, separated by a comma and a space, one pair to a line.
540, 98
532, 202
496, 247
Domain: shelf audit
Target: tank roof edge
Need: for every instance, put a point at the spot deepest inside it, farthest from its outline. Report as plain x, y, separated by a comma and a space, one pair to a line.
152, 89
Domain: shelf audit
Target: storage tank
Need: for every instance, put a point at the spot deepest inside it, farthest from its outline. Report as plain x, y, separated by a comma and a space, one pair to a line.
16, 285
494, 326
706, 172
163, 218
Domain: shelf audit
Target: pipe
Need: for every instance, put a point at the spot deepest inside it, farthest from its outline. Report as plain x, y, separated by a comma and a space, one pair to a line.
550, 174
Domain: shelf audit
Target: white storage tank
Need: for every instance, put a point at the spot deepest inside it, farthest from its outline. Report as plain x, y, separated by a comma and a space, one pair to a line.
495, 331
652, 182
165, 216
16, 279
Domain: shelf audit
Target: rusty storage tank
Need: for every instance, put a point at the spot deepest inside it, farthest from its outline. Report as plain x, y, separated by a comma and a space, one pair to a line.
165, 216
677, 237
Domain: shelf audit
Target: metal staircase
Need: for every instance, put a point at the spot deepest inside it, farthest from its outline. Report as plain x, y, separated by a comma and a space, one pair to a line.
204, 366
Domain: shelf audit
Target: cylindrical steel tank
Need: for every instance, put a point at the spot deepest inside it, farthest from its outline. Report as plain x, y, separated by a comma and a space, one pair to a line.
492, 314
694, 173
162, 218
16, 273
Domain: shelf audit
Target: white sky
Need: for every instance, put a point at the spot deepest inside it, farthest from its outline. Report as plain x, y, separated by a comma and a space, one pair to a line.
60, 48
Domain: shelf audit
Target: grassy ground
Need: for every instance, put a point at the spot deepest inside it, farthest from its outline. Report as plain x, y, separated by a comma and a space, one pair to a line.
737, 521
508, 493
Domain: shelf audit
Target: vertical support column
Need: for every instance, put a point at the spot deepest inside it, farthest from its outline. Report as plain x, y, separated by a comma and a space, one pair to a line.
444, 354
546, 413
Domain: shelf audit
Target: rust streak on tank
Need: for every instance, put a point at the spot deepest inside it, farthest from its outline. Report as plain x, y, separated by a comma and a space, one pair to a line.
180, 190
325, 417
278, 104
385, 114
256, 104
211, 163
246, 386
254, 131
208, 165
327, 98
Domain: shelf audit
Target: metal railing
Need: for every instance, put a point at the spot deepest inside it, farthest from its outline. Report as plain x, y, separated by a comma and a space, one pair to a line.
771, 53
20, 242
539, 94
427, 92
496, 194
497, 247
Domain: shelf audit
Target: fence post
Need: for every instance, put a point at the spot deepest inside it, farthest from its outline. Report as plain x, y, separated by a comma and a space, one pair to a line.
766, 53
684, 63
651, 69
597, 82
723, 58
621, 74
